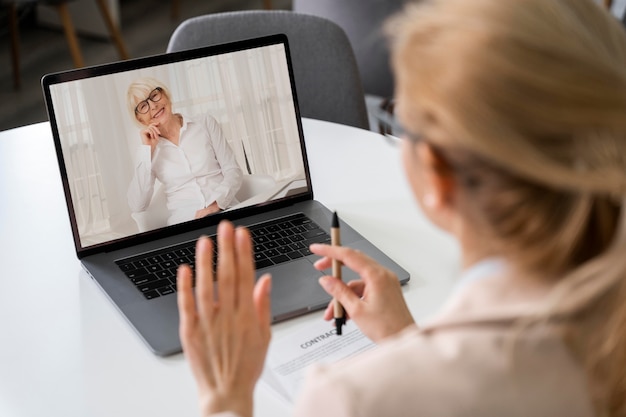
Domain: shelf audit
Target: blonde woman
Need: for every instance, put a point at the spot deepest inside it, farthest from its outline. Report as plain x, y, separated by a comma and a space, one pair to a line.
515, 143
189, 155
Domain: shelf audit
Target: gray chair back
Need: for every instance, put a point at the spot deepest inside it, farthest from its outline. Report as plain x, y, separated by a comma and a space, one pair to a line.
362, 20
327, 79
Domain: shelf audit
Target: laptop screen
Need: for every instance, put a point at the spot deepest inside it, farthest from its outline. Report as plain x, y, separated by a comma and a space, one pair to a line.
166, 140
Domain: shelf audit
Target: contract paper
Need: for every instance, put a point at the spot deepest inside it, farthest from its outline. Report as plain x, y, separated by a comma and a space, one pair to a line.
289, 357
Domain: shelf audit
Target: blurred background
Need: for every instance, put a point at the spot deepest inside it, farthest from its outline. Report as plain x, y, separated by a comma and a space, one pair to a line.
145, 26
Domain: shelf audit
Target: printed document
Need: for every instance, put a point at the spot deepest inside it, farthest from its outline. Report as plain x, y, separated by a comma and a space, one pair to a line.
289, 357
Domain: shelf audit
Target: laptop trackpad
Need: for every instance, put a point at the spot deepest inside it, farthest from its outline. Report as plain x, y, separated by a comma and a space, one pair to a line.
295, 289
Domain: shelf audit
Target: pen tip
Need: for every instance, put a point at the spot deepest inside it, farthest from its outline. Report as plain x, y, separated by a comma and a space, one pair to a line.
335, 220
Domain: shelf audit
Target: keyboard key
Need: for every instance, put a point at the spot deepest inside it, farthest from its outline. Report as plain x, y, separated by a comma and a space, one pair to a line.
166, 290
127, 267
263, 263
141, 263
295, 254
280, 259
283, 249
166, 273
181, 260
296, 245
151, 294
313, 233
154, 259
283, 241
296, 238
182, 252
136, 273
284, 225
168, 264
143, 279
153, 285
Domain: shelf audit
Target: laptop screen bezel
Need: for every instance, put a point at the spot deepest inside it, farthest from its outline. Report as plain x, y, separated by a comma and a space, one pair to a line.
49, 80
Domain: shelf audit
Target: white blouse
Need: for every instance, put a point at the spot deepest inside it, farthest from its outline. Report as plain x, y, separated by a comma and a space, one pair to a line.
197, 172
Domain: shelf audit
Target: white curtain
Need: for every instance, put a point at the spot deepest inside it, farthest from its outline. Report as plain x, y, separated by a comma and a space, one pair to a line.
248, 92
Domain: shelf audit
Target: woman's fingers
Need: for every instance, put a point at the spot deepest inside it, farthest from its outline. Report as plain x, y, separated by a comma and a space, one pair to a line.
375, 302
357, 286
353, 259
226, 267
204, 276
262, 302
341, 292
186, 303
150, 135
245, 268
226, 332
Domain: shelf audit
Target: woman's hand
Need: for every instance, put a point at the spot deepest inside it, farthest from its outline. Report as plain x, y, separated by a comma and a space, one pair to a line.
210, 209
225, 330
150, 136
375, 302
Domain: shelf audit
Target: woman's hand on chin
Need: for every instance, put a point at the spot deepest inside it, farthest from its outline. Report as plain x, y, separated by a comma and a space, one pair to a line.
225, 328
150, 136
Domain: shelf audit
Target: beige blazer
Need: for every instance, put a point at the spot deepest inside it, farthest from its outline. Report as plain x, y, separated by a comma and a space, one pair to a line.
460, 364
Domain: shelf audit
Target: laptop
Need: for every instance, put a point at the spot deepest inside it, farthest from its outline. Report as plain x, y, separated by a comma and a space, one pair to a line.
137, 202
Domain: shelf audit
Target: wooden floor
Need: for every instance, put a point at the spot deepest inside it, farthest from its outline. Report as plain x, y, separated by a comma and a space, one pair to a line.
146, 27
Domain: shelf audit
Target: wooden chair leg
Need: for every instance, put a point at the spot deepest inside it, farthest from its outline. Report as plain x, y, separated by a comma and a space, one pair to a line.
70, 34
267, 4
15, 44
175, 11
113, 30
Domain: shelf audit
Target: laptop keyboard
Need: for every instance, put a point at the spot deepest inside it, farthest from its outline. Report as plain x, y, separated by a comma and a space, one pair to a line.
274, 242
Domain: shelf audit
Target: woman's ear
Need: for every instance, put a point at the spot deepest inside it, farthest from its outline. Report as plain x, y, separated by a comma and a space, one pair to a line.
439, 183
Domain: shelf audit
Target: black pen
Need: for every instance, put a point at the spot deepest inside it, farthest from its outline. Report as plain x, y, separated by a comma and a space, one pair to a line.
335, 240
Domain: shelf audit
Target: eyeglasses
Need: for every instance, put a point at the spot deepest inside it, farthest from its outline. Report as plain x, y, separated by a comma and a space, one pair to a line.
143, 106
391, 128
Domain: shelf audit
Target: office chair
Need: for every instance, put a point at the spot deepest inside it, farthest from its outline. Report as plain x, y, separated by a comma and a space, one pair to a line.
362, 20
327, 79
175, 8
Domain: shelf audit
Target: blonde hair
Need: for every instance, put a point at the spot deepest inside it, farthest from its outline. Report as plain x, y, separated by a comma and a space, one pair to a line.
139, 90
527, 101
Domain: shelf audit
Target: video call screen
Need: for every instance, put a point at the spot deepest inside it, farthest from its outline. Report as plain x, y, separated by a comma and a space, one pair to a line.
157, 146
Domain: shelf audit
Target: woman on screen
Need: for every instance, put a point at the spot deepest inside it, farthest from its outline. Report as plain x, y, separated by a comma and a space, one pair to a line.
515, 144
188, 155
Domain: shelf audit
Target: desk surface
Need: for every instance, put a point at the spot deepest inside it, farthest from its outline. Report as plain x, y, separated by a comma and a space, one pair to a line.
65, 350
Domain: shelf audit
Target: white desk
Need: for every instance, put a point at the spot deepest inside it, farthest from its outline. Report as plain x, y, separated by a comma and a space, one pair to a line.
64, 349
